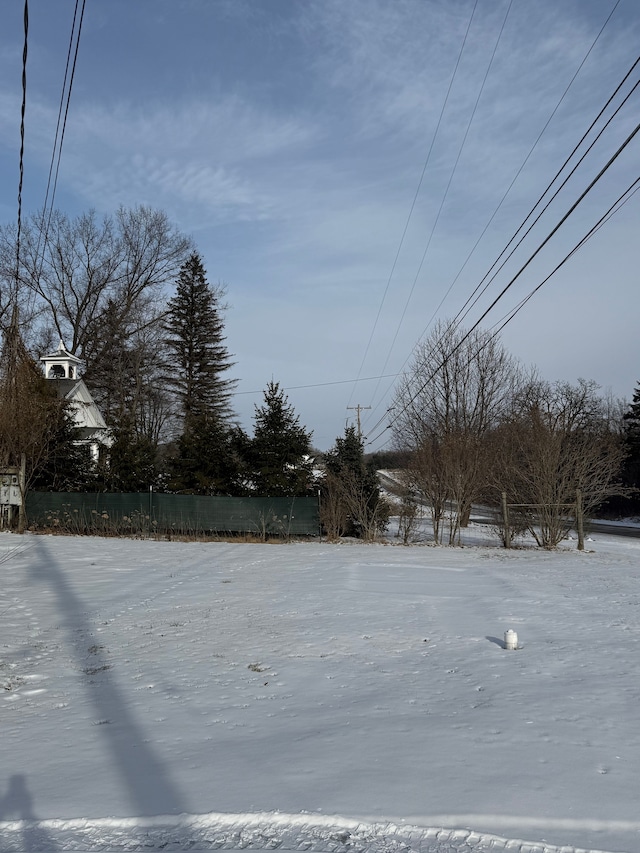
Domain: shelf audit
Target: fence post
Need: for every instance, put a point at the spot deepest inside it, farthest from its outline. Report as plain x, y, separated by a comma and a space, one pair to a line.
22, 483
505, 521
580, 519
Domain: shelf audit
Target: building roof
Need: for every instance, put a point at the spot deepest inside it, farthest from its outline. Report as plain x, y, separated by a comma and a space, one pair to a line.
61, 353
85, 412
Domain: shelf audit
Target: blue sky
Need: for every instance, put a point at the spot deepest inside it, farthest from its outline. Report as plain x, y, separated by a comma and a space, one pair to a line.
289, 139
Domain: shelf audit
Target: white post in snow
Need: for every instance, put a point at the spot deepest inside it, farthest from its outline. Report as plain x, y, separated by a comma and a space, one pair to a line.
510, 640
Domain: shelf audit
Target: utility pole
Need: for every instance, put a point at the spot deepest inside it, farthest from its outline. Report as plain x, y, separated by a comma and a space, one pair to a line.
580, 519
359, 409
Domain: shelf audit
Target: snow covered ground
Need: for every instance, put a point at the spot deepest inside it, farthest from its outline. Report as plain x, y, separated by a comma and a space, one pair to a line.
164, 695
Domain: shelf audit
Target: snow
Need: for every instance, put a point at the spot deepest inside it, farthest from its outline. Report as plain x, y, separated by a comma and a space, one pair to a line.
167, 695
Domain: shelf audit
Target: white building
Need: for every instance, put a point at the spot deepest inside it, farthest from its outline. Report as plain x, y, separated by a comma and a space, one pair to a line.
63, 369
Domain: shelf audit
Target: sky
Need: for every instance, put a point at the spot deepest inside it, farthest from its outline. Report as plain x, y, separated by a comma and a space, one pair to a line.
345, 697
350, 171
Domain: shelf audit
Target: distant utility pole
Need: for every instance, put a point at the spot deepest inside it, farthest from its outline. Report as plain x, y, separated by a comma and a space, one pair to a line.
359, 409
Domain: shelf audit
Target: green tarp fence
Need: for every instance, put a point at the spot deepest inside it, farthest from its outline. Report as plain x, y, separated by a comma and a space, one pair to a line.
149, 512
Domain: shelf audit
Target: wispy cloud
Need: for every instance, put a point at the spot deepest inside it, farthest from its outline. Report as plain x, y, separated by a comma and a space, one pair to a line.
226, 127
204, 154
290, 138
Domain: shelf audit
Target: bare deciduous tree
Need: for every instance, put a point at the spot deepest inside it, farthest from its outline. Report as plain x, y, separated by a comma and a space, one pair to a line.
81, 268
98, 284
560, 439
457, 389
334, 515
425, 476
349, 501
409, 516
33, 421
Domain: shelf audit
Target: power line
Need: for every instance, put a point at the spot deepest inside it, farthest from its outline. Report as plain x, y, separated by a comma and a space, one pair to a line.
622, 199
57, 148
607, 215
22, 114
445, 195
525, 161
581, 197
551, 199
71, 79
60, 106
497, 328
326, 384
573, 207
501, 202
415, 197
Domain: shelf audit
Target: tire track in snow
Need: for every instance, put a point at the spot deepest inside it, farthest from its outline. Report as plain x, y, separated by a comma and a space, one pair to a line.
215, 831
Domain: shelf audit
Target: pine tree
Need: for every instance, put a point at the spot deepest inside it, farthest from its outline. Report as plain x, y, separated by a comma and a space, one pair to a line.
352, 503
133, 461
208, 460
632, 419
280, 452
347, 455
203, 463
68, 465
631, 473
196, 340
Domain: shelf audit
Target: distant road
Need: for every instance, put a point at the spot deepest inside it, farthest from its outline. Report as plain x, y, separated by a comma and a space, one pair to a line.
616, 529
591, 526
480, 515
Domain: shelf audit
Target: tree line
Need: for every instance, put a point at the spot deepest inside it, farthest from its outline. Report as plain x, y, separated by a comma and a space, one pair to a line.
480, 429
469, 423
157, 368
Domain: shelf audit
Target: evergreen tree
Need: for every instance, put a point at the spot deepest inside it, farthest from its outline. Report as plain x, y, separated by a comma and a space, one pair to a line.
196, 342
631, 471
632, 421
205, 461
132, 464
279, 455
347, 455
208, 459
68, 465
351, 495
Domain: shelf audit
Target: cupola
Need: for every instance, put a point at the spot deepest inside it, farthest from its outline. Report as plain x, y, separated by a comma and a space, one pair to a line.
61, 364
